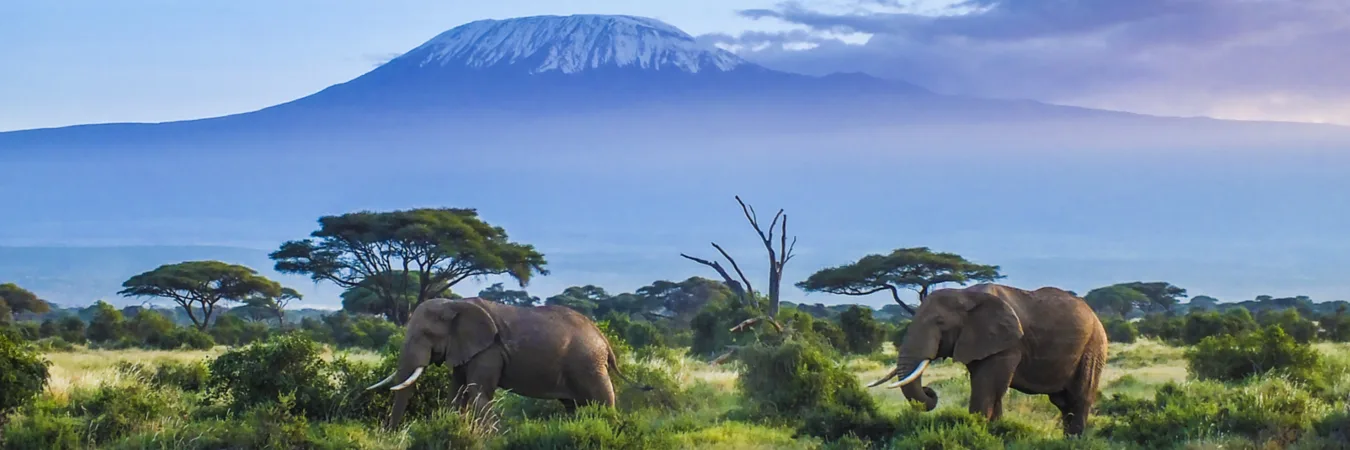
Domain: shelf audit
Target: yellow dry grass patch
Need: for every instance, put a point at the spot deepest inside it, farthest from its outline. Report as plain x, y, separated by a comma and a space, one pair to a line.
84, 367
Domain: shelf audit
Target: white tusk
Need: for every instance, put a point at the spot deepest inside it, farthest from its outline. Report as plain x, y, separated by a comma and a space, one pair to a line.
887, 377
383, 382
911, 377
409, 381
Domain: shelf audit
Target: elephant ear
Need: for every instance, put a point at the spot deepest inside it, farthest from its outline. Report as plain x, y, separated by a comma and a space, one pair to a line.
472, 330
991, 326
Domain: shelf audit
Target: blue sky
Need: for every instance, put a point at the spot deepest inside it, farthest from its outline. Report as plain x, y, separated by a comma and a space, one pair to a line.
82, 61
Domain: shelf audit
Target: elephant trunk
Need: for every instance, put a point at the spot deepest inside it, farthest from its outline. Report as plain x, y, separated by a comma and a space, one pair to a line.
917, 351
413, 359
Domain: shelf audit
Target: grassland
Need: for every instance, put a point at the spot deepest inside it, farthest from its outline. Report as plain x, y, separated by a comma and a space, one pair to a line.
1134, 370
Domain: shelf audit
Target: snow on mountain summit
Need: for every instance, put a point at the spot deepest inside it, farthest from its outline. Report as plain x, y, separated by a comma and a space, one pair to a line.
572, 44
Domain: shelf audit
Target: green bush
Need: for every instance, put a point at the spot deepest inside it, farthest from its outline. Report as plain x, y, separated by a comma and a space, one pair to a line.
1267, 411
592, 427
1234, 358
1122, 331
831, 334
1302, 330
863, 333
107, 324
23, 373
1200, 325
42, 428
113, 411
447, 429
1162, 327
262, 372
897, 336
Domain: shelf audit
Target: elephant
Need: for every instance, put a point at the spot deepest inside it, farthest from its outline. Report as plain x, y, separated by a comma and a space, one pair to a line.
548, 352
1046, 341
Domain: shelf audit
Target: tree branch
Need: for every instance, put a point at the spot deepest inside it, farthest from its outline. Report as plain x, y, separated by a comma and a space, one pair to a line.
735, 286
748, 288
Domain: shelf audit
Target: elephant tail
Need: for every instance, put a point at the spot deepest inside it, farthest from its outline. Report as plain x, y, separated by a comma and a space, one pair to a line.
614, 365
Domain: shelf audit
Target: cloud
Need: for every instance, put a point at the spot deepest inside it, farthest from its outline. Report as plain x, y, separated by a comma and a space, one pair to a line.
1256, 59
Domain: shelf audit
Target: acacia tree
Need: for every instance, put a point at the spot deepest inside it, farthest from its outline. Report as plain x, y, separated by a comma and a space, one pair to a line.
1116, 298
201, 285
778, 258
15, 300
1161, 295
439, 247
365, 297
918, 269
275, 305
500, 294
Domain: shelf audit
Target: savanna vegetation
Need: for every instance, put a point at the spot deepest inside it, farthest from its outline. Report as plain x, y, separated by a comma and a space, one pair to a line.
236, 365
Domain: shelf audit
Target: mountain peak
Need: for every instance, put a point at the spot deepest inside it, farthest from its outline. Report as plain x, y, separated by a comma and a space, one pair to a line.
571, 44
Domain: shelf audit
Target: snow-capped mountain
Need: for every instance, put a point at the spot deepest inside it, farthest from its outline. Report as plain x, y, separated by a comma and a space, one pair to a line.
571, 44
595, 70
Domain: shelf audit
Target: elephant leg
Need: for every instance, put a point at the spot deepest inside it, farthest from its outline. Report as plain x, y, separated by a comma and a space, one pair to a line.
1061, 401
595, 388
989, 382
1082, 393
569, 405
458, 385
482, 374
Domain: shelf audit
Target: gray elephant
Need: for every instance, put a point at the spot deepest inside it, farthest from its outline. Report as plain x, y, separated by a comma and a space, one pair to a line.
1046, 341
548, 352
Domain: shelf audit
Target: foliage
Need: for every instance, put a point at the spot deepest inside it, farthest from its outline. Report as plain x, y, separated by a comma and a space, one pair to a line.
710, 326
862, 333
1162, 296
591, 428
916, 268
1118, 298
17, 300
1267, 411
1200, 325
274, 302
261, 372
1120, 330
23, 373
201, 285
115, 410
1301, 330
1161, 326
436, 246
107, 325
388, 294
1234, 358
500, 294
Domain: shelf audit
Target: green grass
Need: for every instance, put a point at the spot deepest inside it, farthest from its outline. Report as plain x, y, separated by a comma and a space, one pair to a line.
184, 420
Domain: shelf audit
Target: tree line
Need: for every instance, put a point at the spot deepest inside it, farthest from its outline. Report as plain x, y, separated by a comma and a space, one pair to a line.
389, 262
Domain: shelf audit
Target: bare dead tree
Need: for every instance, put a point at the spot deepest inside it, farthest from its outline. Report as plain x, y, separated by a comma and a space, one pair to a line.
778, 258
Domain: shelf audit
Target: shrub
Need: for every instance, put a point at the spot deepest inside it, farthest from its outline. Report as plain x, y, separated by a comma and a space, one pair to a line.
1268, 411
194, 339
113, 411
261, 372
188, 376
1122, 331
1200, 325
897, 336
42, 428
593, 427
451, 429
863, 333
1301, 330
831, 334
107, 324
1162, 327
1234, 358
23, 374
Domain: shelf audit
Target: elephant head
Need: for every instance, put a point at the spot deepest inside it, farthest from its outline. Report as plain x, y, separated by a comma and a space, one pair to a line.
963, 324
457, 329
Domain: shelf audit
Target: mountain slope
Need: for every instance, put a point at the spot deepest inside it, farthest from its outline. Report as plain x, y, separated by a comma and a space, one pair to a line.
593, 72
